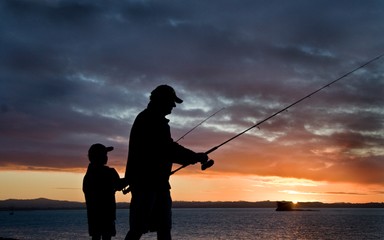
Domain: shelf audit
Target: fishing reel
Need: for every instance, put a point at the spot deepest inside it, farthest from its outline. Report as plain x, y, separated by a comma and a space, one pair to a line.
126, 190
209, 163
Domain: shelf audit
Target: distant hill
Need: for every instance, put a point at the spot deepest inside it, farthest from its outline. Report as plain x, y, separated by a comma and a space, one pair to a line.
339, 205
43, 203
39, 203
273, 204
234, 204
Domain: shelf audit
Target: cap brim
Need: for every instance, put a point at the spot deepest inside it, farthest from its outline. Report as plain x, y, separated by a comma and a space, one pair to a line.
178, 100
108, 149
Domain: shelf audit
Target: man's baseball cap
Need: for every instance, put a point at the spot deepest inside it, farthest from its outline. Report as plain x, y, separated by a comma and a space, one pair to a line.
165, 92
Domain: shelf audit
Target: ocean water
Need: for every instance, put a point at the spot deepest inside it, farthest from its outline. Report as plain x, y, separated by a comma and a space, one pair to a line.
209, 224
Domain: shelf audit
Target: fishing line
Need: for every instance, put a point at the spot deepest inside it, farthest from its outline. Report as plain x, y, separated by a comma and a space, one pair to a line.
199, 124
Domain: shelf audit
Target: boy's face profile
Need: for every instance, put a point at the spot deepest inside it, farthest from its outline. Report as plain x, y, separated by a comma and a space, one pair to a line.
101, 159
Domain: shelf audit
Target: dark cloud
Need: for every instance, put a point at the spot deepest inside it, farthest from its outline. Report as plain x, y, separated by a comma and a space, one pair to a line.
77, 72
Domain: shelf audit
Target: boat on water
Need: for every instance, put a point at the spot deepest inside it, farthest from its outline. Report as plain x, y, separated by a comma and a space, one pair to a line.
289, 206
285, 206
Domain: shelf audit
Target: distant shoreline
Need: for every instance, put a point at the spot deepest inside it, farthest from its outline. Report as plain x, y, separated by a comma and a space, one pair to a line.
48, 204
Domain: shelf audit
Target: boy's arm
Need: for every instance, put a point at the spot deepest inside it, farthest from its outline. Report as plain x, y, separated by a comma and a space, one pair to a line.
121, 184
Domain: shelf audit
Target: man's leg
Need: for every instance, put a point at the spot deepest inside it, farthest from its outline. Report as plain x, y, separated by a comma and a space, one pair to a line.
164, 215
140, 213
164, 235
106, 237
133, 235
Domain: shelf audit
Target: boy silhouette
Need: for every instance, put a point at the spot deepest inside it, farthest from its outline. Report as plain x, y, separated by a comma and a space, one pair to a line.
99, 186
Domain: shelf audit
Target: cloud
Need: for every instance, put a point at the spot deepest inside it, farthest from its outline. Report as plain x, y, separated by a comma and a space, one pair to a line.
345, 193
78, 72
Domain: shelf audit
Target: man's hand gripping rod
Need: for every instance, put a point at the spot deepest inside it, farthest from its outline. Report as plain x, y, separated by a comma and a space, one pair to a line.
209, 163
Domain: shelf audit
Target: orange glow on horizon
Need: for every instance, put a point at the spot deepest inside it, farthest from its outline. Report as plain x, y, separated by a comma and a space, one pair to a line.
194, 187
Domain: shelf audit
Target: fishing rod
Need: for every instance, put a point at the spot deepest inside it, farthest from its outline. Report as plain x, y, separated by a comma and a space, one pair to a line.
280, 111
209, 162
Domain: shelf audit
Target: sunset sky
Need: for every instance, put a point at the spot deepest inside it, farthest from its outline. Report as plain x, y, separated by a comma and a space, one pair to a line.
77, 72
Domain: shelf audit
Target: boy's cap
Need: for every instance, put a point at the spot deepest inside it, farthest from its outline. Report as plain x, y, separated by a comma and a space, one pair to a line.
165, 92
98, 149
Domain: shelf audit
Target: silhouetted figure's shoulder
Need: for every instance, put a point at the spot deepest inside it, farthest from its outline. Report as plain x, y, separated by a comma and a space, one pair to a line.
150, 115
101, 179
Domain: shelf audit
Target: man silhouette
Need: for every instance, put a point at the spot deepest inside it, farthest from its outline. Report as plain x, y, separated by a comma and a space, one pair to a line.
152, 152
